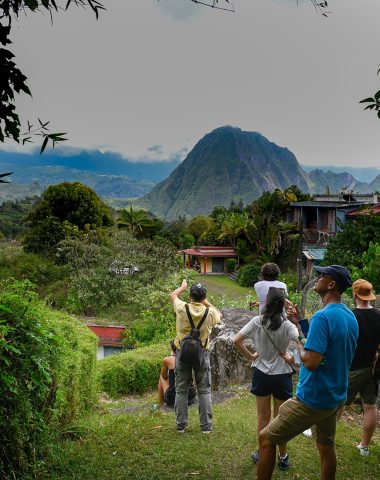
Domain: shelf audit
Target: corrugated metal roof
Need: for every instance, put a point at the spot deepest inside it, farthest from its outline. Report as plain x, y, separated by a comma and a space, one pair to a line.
329, 204
314, 253
210, 251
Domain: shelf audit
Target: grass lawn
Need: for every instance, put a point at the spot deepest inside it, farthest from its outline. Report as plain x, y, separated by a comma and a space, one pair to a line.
222, 286
143, 445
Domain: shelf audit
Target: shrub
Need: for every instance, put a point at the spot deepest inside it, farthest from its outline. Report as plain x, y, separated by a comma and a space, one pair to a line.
249, 274
47, 366
155, 318
231, 264
370, 266
133, 371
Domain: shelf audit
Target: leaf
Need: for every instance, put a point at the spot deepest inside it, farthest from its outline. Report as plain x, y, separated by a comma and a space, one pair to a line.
44, 143
366, 100
377, 95
370, 107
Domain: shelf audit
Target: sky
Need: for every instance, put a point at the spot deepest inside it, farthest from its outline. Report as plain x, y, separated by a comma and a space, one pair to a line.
150, 78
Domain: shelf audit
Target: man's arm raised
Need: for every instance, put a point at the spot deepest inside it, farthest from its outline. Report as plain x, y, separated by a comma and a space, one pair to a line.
178, 291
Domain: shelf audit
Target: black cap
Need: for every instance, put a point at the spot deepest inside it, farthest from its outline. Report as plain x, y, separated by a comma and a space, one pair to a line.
338, 273
198, 290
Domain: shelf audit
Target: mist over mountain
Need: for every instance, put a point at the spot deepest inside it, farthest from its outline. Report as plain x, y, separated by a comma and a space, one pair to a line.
107, 163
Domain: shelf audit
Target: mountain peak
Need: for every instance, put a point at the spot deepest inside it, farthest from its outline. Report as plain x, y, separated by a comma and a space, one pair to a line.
226, 165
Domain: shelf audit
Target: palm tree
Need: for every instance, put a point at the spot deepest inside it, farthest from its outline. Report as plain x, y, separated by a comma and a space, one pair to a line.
234, 225
134, 220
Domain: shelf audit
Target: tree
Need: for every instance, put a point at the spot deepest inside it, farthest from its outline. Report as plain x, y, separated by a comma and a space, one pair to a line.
348, 246
233, 227
136, 221
66, 209
370, 266
13, 81
199, 226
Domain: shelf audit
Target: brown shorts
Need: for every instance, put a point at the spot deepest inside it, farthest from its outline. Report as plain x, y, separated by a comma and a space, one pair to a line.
361, 381
295, 416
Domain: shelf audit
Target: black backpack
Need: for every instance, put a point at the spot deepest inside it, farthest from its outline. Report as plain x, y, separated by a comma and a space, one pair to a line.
190, 352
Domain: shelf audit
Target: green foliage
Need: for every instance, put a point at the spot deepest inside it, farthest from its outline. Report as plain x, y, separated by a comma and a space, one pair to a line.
14, 262
12, 216
248, 275
65, 210
370, 266
102, 273
47, 365
231, 264
186, 240
348, 246
154, 314
199, 226
133, 371
139, 222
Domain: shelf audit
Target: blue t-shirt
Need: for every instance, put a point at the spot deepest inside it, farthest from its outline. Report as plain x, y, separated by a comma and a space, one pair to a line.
333, 333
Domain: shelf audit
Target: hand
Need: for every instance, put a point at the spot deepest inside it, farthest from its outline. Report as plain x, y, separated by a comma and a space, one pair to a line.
288, 357
184, 284
254, 356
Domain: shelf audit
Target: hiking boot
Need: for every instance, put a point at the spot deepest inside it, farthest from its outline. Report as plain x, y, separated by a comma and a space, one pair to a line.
255, 457
364, 451
181, 429
283, 463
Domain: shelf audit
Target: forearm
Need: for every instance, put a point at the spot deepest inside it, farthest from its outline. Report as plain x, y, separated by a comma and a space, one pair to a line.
207, 304
177, 292
244, 350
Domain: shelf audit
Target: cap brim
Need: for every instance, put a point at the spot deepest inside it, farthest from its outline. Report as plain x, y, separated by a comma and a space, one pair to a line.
320, 269
366, 297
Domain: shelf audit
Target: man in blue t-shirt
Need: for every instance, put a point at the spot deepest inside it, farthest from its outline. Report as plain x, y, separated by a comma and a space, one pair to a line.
323, 380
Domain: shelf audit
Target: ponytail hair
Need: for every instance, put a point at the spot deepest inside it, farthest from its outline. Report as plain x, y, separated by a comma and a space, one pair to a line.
273, 313
172, 346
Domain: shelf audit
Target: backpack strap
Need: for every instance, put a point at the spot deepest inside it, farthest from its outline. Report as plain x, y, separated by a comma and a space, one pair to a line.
201, 321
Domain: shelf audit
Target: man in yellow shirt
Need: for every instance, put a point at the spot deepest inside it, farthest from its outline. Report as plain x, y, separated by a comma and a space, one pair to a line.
183, 372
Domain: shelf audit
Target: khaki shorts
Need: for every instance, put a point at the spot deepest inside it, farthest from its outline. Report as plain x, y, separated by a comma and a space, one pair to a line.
295, 416
362, 382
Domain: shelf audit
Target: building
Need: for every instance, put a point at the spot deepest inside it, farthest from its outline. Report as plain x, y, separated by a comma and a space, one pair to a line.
110, 339
319, 220
208, 260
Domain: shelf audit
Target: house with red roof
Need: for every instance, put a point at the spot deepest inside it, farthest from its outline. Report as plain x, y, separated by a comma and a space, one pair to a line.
208, 260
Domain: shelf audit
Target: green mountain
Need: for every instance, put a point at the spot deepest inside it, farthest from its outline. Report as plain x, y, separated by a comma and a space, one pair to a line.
226, 164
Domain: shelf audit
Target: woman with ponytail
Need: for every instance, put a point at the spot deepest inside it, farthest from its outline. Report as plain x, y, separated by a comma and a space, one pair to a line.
271, 333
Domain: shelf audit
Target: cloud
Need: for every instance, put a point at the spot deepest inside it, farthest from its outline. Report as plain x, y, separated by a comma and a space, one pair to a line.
179, 10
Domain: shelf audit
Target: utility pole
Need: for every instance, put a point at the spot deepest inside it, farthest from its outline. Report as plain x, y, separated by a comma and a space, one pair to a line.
299, 258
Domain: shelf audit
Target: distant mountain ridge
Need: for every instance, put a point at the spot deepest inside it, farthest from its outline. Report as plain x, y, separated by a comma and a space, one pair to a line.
226, 164
107, 163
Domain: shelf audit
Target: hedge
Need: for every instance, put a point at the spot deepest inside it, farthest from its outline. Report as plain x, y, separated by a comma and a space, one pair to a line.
47, 375
133, 371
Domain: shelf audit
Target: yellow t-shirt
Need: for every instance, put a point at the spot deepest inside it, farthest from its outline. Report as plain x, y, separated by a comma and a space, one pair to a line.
197, 311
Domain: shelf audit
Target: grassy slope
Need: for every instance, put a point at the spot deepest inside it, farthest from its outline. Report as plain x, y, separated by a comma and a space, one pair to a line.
220, 285
145, 446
